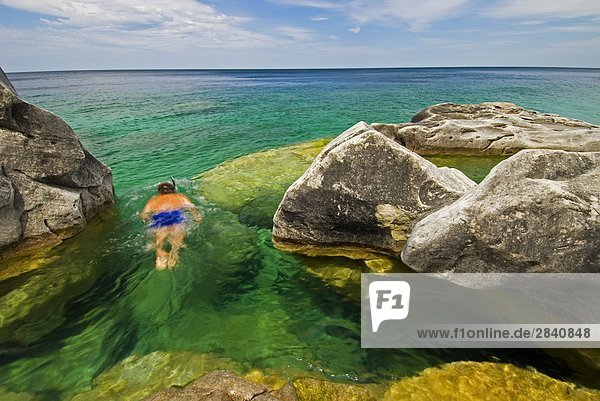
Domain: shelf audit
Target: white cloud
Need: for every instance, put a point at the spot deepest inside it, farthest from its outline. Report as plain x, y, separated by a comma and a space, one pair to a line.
355, 30
545, 8
298, 34
146, 23
319, 18
592, 43
415, 15
575, 28
311, 3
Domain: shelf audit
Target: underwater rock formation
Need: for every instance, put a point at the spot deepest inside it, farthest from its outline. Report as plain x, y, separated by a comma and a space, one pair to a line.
538, 211
309, 389
362, 194
496, 128
252, 186
465, 381
139, 376
222, 385
50, 186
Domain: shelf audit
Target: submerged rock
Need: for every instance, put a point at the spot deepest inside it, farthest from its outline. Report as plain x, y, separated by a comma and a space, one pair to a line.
37, 307
584, 363
139, 376
491, 128
224, 386
360, 196
342, 275
38, 286
538, 211
6, 395
253, 185
50, 186
309, 389
464, 381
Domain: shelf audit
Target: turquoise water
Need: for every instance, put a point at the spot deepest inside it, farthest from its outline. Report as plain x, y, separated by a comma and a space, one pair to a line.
233, 295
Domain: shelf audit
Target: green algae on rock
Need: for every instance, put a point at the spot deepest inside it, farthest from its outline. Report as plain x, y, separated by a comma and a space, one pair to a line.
264, 175
37, 307
465, 381
474, 167
308, 389
138, 376
342, 275
223, 385
7, 395
32, 302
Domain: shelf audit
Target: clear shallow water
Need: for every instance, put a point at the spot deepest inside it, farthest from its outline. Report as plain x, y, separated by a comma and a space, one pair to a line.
233, 294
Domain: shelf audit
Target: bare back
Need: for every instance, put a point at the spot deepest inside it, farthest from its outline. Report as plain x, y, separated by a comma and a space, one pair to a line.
161, 203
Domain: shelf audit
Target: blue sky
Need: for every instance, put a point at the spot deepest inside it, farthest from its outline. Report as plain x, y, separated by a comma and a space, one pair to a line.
105, 34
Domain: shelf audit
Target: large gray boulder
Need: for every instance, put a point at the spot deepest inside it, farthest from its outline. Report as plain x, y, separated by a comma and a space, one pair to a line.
50, 186
538, 211
492, 129
361, 195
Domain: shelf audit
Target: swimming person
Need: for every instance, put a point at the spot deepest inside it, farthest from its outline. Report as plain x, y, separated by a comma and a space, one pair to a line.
167, 214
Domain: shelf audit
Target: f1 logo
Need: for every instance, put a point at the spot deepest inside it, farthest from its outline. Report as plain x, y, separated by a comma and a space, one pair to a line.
389, 300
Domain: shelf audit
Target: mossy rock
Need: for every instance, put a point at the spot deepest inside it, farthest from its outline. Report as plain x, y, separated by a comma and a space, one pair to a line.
259, 211
342, 275
261, 177
308, 389
31, 306
137, 376
464, 381
19, 265
7, 395
474, 167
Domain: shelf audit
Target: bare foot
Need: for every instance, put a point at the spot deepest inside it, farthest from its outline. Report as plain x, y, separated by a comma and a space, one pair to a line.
161, 260
173, 259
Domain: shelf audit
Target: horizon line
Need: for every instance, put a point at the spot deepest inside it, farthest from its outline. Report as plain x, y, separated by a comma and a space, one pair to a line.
299, 69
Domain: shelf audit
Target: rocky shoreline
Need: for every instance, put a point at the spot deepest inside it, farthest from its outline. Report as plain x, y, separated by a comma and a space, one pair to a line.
368, 193
493, 128
50, 185
137, 378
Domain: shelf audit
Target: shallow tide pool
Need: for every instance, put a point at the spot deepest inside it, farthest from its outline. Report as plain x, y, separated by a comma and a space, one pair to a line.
96, 298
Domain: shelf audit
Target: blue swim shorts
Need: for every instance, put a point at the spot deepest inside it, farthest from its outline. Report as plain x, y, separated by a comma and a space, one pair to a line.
168, 218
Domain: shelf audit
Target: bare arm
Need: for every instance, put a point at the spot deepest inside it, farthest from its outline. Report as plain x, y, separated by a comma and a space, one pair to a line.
145, 213
196, 215
191, 208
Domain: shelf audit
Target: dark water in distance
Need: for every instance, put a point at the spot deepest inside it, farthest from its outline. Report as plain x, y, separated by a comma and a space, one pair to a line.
233, 294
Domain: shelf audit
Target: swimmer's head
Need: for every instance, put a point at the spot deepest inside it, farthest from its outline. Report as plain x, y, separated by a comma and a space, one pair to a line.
166, 188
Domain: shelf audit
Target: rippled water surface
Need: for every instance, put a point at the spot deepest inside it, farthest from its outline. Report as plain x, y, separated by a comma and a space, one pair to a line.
233, 295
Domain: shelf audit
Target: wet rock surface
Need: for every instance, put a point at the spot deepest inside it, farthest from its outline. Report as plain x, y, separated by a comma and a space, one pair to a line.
224, 385
466, 381
252, 185
138, 376
309, 389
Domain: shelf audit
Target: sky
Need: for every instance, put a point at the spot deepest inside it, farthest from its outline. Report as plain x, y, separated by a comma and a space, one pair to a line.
42, 35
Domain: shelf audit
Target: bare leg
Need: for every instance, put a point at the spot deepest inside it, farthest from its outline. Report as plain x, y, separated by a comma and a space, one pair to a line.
176, 239
161, 255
